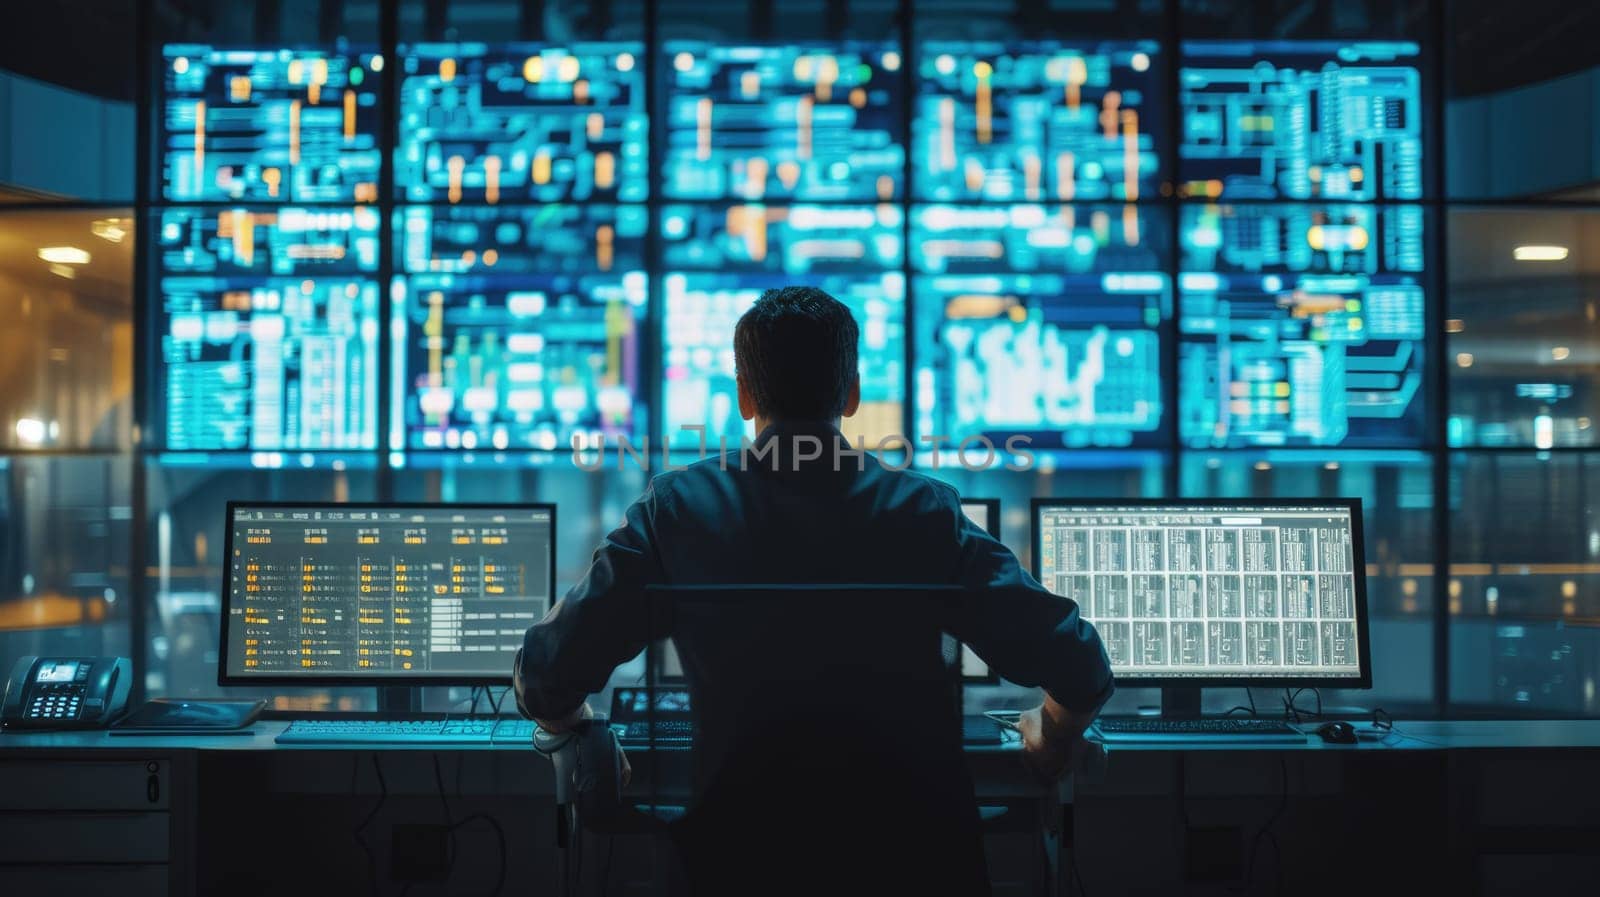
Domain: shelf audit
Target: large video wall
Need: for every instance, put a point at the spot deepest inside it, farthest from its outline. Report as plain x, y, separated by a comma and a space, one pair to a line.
500, 247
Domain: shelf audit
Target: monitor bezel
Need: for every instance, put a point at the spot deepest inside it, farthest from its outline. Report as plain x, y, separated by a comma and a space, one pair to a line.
370, 680
993, 506
1358, 552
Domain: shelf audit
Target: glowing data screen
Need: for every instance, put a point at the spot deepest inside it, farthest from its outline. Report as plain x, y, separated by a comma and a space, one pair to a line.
1301, 120
521, 327
1301, 325
1038, 120
719, 261
816, 123
268, 328
320, 591
520, 122
269, 125
1220, 591
1039, 321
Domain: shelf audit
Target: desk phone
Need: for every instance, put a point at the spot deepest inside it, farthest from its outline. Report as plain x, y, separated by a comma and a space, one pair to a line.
66, 692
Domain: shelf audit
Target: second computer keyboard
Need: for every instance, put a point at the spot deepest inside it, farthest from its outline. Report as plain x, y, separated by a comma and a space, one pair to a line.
1216, 727
405, 731
667, 730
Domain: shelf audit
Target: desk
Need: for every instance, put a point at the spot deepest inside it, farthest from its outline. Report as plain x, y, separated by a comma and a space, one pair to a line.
1458, 804
186, 815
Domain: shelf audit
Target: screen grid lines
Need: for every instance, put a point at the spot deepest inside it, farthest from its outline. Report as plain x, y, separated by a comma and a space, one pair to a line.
1213, 592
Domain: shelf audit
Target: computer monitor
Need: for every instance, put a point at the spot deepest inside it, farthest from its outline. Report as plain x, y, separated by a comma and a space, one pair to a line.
270, 125
985, 512
1214, 592
391, 594
1040, 321
817, 122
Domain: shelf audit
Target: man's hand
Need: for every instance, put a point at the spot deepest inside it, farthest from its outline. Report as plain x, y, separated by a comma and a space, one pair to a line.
1052, 739
566, 724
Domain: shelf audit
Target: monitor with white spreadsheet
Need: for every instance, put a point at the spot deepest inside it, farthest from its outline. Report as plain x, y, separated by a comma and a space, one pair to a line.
1215, 591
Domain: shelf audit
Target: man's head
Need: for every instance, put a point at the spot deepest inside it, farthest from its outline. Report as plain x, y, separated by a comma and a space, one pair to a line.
795, 351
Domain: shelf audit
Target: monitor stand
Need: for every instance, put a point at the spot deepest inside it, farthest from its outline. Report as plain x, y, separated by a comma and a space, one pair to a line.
1180, 703
399, 700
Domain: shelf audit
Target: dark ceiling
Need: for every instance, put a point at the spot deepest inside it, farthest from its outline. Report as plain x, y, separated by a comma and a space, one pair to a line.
89, 45
86, 45
1498, 44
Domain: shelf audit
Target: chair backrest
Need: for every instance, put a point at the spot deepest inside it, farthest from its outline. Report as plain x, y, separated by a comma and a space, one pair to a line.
837, 696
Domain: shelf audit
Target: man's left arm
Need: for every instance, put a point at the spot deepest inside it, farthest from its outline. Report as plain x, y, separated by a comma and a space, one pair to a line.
601, 623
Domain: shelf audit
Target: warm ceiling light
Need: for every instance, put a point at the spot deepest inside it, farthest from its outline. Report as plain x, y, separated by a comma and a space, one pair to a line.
1560, 353
1455, 325
64, 255
1537, 253
30, 431
109, 229
66, 271
1464, 359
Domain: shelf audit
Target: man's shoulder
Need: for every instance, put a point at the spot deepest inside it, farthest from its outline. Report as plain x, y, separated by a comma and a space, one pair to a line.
909, 491
676, 478
915, 481
904, 485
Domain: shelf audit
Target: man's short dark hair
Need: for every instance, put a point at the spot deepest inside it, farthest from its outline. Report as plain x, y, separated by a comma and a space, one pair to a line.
796, 351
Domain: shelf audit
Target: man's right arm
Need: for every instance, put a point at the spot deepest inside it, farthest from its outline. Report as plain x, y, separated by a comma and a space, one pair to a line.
602, 621
1033, 638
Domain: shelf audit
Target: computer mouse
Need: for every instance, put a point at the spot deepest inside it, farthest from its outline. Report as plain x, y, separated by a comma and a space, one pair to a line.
1337, 732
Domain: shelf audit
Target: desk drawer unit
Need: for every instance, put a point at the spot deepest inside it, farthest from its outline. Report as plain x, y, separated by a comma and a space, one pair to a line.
79, 826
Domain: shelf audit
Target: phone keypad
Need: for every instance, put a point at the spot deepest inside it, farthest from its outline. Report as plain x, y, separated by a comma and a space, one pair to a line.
56, 703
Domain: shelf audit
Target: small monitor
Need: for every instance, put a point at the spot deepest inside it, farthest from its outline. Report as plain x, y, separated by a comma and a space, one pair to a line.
415, 594
985, 512
1214, 592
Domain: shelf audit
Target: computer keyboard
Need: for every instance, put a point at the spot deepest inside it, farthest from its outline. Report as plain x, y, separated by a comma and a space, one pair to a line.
638, 731
1219, 727
513, 730
394, 731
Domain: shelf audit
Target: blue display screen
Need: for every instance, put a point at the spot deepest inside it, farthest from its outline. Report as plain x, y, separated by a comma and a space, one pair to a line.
718, 261
269, 125
1032, 226
1038, 120
1040, 321
1301, 325
817, 123
521, 327
519, 122
268, 328
1300, 120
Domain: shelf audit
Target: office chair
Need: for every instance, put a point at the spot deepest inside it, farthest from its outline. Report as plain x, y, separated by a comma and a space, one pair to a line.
791, 729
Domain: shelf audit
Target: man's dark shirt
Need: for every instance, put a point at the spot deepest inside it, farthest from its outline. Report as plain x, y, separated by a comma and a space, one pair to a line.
709, 525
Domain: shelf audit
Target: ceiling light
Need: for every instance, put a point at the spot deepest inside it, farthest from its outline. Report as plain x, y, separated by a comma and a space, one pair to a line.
66, 271
1455, 325
1560, 353
64, 255
1464, 359
1538, 253
109, 229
